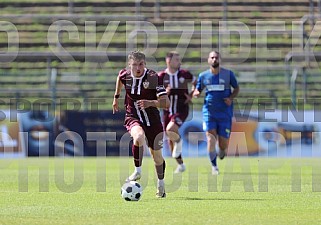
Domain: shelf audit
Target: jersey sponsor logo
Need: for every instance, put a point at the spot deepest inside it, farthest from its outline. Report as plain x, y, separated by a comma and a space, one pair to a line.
160, 88
146, 84
215, 87
207, 81
181, 80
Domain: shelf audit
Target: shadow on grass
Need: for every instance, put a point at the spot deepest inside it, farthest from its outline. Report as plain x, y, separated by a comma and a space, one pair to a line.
210, 199
221, 199
249, 174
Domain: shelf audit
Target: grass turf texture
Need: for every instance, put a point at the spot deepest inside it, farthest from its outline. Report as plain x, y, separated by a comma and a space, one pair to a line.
248, 191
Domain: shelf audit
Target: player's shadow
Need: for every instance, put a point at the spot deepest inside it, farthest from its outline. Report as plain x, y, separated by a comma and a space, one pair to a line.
238, 173
222, 199
249, 173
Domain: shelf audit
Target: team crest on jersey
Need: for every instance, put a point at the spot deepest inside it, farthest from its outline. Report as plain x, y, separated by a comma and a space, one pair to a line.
222, 81
207, 82
146, 84
181, 79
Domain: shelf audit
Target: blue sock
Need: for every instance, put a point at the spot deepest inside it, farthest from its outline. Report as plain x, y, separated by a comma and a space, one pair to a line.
213, 157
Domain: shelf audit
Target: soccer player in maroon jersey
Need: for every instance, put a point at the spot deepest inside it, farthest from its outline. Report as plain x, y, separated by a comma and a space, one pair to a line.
145, 93
176, 82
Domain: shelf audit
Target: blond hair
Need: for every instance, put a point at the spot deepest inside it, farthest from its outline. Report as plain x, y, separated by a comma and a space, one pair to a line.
136, 55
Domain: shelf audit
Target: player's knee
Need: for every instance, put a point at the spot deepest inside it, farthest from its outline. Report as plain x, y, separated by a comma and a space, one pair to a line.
223, 146
158, 158
169, 129
139, 138
173, 135
210, 137
172, 129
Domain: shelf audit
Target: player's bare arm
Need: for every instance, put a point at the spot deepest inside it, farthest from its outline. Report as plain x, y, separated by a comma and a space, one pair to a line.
117, 95
168, 89
235, 92
229, 100
189, 96
162, 102
196, 93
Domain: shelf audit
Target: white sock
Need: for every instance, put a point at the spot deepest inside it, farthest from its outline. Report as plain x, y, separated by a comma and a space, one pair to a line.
217, 148
177, 149
174, 146
177, 146
160, 183
138, 169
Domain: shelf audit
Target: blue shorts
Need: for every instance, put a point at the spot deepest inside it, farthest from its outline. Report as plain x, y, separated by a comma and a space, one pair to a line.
223, 128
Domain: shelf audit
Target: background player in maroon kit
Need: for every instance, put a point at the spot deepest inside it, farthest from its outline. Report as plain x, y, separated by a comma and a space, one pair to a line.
145, 93
176, 82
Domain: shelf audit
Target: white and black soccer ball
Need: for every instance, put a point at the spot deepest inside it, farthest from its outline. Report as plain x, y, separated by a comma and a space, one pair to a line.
131, 191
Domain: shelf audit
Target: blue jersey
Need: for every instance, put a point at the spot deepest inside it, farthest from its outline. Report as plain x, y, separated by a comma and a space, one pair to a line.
217, 87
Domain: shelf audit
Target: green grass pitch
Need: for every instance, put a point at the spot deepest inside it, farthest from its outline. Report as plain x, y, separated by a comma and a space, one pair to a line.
87, 191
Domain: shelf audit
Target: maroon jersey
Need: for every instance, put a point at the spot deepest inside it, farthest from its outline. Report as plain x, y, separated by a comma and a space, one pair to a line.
178, 83
147, 87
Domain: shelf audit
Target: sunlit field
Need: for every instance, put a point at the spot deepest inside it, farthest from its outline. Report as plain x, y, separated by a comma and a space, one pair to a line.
87, 191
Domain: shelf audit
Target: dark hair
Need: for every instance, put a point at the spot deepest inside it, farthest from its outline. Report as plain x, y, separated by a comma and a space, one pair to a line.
171, 54
216, 52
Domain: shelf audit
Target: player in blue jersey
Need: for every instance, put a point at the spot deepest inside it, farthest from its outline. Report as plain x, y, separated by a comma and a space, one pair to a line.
221, 88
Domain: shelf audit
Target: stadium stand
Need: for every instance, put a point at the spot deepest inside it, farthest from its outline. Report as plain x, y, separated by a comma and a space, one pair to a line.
100, 27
